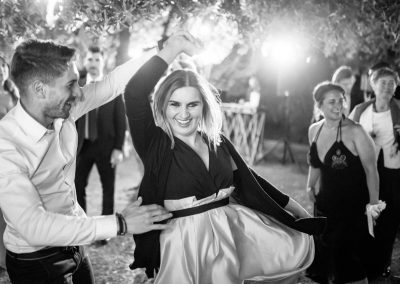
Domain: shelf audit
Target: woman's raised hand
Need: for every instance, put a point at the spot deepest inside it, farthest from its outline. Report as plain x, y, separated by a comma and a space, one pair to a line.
180, 41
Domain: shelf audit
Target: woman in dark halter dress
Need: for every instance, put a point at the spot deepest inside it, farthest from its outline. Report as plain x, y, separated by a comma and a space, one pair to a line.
193, 171
342, 158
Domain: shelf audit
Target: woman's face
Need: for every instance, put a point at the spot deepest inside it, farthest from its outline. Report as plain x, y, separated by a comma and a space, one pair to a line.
332, 105
3, 70
384, 87
184, 111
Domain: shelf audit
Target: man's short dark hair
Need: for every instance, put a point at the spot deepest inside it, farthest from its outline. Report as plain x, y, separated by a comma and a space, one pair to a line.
376, 66
95, 49
39, 60
383, 72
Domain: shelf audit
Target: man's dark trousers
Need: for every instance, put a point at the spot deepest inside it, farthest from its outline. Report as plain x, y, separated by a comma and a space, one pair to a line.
111, 127
51, 266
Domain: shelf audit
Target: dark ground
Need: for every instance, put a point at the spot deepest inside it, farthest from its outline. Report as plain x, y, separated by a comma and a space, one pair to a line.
111, 262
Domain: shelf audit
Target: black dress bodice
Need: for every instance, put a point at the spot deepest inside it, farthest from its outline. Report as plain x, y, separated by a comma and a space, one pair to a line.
342, 181
342, 253
188, 176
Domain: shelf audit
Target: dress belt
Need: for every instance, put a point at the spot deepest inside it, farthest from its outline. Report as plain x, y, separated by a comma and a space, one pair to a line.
43, 253
199, 209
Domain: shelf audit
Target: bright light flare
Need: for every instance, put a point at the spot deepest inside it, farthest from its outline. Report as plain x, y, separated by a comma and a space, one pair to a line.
211, 54
51, 18
283, 51
218, 36
135, 52
201, 28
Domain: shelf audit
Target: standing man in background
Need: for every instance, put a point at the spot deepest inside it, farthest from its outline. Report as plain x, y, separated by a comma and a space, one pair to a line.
101, 135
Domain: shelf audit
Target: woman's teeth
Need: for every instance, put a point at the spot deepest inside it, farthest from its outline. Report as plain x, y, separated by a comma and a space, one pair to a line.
183, 123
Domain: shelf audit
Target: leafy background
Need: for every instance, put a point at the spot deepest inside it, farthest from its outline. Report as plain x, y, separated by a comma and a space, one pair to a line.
352, 32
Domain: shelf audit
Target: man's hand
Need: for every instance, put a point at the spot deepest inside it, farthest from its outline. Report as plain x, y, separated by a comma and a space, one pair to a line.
141, 218
116, 157
181, 41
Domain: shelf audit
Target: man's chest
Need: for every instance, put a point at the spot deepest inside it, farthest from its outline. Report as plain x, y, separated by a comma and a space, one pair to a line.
52, 163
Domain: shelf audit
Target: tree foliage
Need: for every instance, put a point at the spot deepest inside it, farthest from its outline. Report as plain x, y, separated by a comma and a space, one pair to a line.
354, 32
347, 30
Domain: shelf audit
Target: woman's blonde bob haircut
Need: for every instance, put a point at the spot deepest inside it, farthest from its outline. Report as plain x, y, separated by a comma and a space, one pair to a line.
211, 121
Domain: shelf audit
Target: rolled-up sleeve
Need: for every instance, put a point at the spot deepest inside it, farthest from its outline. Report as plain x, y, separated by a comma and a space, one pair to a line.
113, 84
28, 220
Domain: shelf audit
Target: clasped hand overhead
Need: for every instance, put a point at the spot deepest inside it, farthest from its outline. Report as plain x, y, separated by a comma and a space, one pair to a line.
180, 41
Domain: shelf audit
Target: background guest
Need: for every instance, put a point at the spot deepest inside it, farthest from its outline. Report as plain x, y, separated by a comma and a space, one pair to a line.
101, 135
342, 159
380, 117
344, 77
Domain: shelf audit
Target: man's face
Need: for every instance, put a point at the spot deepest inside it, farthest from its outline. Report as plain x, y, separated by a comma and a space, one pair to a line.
384, 87
62, 94
94, 64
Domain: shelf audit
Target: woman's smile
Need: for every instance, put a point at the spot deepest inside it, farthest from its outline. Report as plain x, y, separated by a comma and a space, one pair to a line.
184, 111
183, 122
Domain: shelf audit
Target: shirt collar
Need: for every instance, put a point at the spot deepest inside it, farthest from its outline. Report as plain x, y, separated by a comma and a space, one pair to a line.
28, 124
89, 78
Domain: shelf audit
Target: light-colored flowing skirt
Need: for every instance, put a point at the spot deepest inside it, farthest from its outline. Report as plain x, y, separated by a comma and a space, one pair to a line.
230, 244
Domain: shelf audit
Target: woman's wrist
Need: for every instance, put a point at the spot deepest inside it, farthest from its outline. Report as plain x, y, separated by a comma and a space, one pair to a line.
373, 201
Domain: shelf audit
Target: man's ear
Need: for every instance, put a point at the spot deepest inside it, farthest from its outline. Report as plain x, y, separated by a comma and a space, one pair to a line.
39, 88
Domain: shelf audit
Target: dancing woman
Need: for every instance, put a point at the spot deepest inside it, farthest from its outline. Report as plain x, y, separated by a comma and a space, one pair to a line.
229, 224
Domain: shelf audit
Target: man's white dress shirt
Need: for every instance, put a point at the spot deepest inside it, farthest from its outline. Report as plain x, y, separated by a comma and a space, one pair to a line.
37, 172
